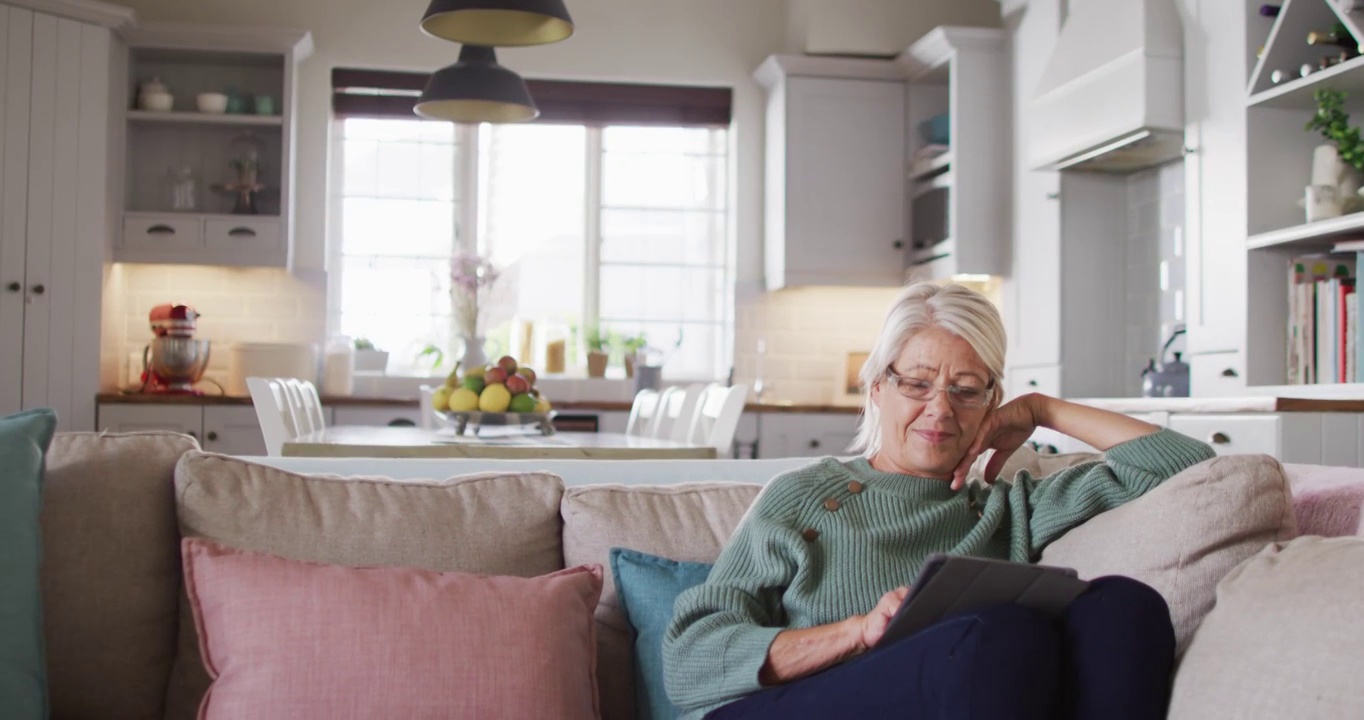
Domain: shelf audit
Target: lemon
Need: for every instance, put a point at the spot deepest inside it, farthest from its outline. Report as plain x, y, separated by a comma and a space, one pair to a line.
440, 399
476, 371
522, 403
542, 406
495, 398
463, 400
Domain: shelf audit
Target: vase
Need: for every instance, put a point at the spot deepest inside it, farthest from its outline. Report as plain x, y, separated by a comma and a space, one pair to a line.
474, 354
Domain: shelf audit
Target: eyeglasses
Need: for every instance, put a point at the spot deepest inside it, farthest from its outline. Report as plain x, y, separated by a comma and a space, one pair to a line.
922, 390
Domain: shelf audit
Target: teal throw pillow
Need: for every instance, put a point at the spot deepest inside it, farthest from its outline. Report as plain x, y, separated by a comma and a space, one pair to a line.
24, 439
648, 587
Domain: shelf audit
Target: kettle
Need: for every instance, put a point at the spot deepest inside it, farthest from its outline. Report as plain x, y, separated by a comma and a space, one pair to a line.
1166, 379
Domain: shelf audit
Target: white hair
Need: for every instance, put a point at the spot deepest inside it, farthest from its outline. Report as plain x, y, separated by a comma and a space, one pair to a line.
952, 307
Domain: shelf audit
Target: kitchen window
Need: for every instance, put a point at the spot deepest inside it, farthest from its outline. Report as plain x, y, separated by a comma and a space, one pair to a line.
621, 225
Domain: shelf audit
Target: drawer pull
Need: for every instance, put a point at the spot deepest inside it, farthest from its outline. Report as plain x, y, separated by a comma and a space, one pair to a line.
212, 435
241, 232
401, 422
814, 444
14, 287
160, 229
1032, 383
1219, 438
1229, 372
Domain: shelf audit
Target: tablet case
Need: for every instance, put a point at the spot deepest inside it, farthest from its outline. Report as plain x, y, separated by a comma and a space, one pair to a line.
949, 585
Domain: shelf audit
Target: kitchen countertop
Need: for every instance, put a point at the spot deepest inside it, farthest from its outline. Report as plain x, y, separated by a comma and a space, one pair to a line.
351, 401
1247, 404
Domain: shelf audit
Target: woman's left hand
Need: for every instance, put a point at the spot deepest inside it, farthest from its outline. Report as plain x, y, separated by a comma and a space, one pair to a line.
1004, 430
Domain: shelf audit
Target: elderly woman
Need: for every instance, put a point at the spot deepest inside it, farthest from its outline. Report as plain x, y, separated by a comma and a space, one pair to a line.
783, 626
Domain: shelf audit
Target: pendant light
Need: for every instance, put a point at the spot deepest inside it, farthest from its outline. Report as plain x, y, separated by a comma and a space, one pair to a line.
476, 89
498, 23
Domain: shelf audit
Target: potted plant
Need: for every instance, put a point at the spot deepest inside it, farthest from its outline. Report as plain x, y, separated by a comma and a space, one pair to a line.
596, 352
1341, 161
369, 358
634, 347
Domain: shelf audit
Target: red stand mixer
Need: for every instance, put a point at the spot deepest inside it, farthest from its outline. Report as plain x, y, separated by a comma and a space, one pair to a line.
174, 360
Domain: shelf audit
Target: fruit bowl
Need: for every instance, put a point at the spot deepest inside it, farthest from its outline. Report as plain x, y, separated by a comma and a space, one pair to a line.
461, 420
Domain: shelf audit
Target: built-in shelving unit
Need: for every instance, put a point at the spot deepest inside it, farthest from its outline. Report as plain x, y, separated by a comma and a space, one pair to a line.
1278, 170
198, 118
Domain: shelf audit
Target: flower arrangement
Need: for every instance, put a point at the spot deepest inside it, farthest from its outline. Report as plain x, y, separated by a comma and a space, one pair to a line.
471, 281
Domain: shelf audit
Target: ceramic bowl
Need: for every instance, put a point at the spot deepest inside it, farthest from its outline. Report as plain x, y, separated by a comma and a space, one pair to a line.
211, 102
157, 101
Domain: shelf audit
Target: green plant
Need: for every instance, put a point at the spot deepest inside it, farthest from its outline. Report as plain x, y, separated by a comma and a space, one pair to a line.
364, 344
635, 344
594, 340
1334, 124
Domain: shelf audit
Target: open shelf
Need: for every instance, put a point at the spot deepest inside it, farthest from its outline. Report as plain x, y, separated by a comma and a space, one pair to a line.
1321, 232
931, 183
1297, 94
198, 118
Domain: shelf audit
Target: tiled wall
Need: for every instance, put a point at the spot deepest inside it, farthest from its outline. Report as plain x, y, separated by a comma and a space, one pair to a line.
1155, 261
238, 305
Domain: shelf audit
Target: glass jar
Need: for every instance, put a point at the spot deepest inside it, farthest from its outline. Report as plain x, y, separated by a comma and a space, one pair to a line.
182, 189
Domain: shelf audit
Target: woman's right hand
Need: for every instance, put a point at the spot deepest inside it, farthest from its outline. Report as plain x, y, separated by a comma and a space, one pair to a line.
873, 624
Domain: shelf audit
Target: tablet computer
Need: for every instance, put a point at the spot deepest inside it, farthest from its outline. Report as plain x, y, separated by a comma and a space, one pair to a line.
950, 584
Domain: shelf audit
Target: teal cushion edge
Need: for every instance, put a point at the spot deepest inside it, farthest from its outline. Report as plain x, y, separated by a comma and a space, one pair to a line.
24, 440
648, 586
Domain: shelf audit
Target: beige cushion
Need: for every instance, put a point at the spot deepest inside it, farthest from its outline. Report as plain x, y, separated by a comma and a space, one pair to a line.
1183, 536
111, 572
1285, 640
494, 524
688, 522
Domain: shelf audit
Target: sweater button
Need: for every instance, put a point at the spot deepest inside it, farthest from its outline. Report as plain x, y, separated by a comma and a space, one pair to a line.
831, 504
855, 487
810, 534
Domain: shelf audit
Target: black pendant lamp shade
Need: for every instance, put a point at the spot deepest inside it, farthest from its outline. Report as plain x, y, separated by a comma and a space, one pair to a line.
498, 23
476, 89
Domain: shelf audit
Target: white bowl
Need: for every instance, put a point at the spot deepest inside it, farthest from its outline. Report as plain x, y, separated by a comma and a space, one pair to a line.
211, 102
157, 101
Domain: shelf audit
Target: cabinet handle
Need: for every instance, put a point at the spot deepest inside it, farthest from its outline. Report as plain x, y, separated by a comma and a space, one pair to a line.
160, 229
212, 435
241, 232
1032, 383
1229, 372
39, 289
1053, 196
814, 444
193, 434
14, 287
401, 422
1219, 438
1051, 450
919, 244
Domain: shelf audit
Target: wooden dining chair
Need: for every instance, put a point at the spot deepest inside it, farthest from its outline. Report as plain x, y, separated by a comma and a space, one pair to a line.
272, 412
717, 417
642, 412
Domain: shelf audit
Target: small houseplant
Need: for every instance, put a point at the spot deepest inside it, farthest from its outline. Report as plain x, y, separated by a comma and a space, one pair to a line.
1333, 122
634, 346
369, 358
596, 352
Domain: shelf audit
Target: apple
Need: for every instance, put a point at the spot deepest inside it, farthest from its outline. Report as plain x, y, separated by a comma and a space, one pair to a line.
495, 375
526, 373
517, 385
508, 363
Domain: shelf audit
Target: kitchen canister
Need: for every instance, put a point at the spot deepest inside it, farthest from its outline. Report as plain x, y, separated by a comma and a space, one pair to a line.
338, 367
287, 360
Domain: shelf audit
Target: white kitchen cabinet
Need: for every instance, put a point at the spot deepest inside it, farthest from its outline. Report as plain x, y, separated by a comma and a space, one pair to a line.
232, 430
406, 415
55, 228
806, 434
1319, 438
191, 60
121, 418
835, 175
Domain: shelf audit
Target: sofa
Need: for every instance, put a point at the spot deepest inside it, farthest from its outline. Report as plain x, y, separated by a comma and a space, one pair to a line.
1282, 637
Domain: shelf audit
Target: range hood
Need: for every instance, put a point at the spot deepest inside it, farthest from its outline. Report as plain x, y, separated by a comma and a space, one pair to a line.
1112, 96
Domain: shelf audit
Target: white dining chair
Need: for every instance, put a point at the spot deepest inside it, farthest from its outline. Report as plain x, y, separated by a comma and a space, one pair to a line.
300, 407
717, 417
677, 414
642, 412
661, 425
272, 412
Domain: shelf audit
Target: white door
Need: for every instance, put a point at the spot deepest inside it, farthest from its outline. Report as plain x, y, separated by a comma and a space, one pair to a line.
1034, 307
233, 430
187, 419
845, 181
16, 57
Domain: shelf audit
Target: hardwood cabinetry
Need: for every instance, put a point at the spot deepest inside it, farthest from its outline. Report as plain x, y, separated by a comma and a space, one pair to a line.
835, 189
186, 147
55, 229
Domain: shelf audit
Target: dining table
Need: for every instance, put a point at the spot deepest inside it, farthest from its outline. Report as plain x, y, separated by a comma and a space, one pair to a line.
412, 442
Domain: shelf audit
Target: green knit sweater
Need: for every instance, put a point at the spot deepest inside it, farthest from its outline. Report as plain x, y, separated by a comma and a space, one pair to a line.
824, 542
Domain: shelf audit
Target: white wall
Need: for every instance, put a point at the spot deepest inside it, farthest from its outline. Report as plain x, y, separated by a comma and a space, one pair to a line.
701, 42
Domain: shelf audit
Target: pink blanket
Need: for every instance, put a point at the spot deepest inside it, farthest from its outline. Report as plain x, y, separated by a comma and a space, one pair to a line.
1327, 500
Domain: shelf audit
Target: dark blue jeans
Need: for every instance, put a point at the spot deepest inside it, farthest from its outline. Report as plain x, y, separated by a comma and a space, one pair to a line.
1110, 656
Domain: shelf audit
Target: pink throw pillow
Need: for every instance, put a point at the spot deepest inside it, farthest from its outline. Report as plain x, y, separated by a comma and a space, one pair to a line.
284, 638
